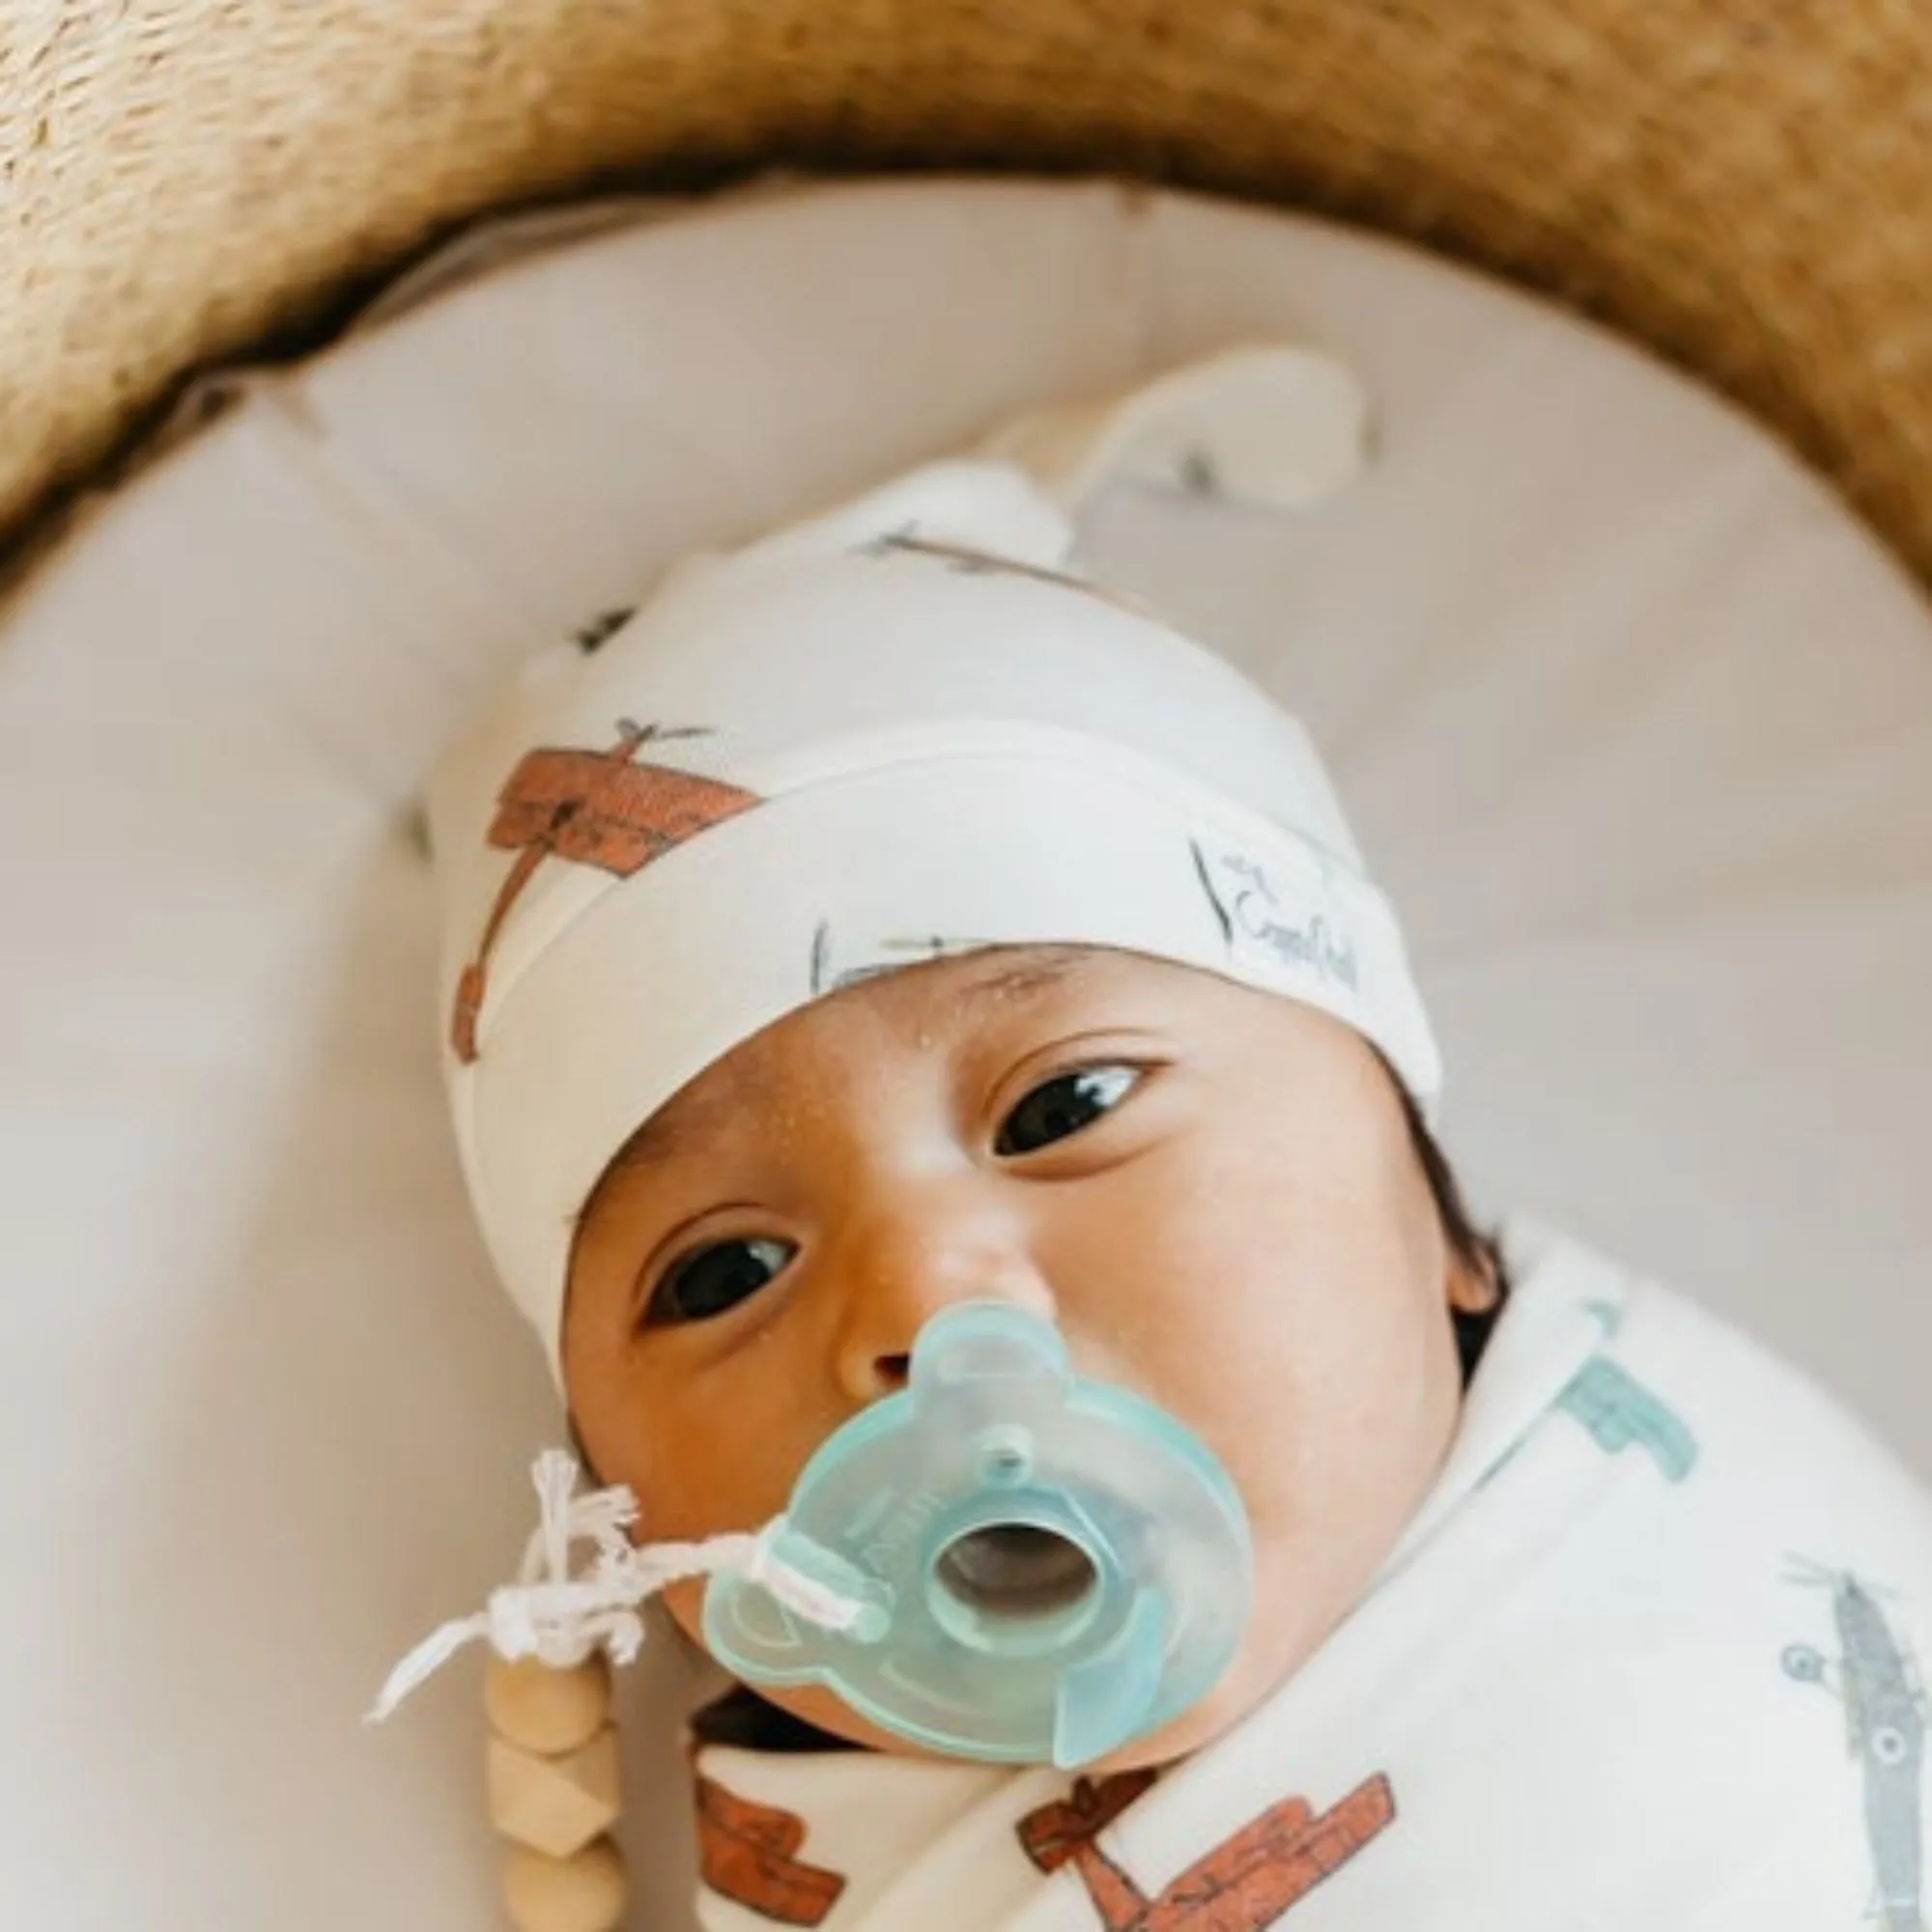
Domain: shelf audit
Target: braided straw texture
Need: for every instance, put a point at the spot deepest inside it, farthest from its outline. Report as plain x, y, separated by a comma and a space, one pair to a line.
1743, 185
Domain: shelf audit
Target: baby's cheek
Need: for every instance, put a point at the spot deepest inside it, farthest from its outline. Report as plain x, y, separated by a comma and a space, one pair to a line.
686, 1604
716, 1453
1331, 1438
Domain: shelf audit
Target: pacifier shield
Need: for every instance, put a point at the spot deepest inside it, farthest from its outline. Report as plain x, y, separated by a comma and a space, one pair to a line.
1049, 1566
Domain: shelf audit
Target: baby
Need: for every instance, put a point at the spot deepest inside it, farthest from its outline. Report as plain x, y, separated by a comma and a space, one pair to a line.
887, 924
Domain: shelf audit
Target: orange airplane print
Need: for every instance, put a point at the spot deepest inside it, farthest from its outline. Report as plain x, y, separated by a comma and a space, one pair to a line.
602, 809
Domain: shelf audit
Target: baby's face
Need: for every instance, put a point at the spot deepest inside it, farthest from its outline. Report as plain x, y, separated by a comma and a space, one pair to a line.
1211, 1191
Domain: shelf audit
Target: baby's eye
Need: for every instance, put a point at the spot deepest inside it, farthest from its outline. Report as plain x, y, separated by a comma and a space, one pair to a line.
1063, 1106
709, 1281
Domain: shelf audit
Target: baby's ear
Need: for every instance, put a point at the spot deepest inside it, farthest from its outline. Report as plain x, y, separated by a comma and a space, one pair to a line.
1475, 1284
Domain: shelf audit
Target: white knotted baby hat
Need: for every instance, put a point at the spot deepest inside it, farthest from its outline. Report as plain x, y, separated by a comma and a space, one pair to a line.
905, 730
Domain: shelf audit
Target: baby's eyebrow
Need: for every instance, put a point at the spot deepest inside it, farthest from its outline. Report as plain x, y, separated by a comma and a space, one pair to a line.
1039, 971
683, 1125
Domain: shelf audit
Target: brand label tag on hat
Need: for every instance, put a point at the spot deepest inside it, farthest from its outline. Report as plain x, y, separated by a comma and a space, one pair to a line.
1287, 929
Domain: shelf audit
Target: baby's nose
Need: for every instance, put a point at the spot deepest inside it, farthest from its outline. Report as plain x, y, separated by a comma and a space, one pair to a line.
905, 1262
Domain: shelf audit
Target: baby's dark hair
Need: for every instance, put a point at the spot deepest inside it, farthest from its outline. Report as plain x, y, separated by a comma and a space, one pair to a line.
1479, 1252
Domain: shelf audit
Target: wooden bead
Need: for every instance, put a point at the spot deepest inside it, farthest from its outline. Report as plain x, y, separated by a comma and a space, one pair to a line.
583, 1893
544, 1709
554, 1804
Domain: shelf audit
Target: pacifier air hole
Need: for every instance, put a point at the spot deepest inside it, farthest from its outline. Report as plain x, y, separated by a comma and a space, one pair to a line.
1015, 1572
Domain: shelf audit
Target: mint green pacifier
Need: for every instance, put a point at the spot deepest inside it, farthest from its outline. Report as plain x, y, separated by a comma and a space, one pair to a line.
1046, 1567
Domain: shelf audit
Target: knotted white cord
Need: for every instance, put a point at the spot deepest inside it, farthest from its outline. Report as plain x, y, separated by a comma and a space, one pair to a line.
561, 1619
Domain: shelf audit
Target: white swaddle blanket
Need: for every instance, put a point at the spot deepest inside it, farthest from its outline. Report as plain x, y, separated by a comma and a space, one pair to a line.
1647, 1657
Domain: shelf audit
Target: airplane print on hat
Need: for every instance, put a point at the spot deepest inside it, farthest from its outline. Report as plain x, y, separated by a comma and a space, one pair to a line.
605, 808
